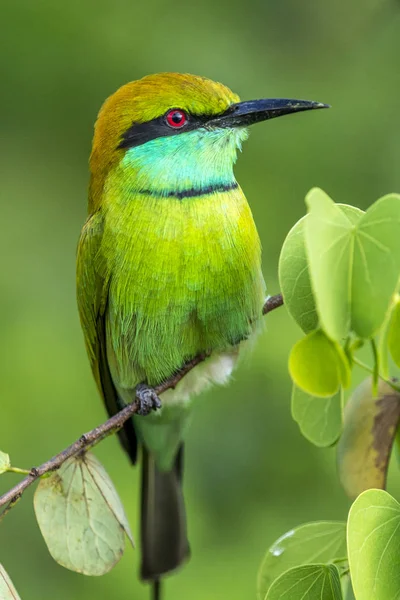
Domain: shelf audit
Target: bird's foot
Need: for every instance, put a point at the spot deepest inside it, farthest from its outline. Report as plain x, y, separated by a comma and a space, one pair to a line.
146, 399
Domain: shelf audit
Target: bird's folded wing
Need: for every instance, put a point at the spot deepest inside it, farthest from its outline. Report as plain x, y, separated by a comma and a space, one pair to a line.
92, 295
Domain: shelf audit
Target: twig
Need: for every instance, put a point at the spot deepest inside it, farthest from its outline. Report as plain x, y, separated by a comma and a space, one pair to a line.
271, 303
90, 438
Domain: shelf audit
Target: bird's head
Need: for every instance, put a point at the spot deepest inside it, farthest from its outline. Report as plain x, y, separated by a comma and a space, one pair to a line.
173, 134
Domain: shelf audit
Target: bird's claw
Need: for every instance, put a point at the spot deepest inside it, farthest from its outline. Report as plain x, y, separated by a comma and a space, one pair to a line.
146, 399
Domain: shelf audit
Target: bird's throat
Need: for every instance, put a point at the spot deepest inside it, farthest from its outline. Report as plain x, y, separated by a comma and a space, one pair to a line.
184, 166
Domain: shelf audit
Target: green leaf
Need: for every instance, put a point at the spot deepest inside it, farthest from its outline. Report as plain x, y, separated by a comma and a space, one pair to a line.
311, 582
294, 279
354, 263
7, 590
322, 541
4, 462
294, 276
394, 334
81, 516
320, 419
373, 537
369, 429
376, 268
328, 234
318, 365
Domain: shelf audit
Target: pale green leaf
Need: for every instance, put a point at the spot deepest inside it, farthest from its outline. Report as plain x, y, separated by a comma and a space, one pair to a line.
81, 516
369, 429
294, 276
7, 589
354, 264
4, 462
376, 267
319, 419
310, 582
329, 243
107, 489
294, 279
318, 365
322, 542
373, 538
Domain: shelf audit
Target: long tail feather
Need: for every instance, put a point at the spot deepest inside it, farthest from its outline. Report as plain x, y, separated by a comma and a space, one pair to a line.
163, 521
157, 589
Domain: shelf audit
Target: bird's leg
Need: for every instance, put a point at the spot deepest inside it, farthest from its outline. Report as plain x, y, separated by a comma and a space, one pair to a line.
146, 399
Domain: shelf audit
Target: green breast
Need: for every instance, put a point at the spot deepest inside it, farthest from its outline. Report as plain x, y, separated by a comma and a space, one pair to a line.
185, 277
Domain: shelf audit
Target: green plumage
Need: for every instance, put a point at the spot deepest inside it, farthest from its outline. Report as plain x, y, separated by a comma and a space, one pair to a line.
173, 278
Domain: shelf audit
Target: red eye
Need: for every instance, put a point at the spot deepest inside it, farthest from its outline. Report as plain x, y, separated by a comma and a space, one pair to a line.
176, 118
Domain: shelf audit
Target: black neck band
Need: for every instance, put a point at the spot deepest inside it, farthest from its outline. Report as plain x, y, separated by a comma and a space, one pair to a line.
193, 192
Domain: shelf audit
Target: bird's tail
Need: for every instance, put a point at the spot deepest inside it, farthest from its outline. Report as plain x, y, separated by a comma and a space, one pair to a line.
163, 521
156, 589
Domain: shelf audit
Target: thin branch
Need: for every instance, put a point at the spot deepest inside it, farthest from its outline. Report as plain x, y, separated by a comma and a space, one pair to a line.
272, 303
112, 425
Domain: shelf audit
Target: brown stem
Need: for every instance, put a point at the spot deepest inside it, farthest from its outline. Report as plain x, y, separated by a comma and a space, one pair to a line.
10, 498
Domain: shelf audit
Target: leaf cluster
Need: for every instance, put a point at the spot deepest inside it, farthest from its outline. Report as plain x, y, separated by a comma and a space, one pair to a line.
339, 273
338, 561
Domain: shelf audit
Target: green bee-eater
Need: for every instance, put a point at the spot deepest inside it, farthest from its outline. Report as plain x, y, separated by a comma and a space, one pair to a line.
169, 266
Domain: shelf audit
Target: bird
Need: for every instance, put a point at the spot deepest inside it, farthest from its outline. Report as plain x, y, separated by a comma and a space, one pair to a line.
168, 267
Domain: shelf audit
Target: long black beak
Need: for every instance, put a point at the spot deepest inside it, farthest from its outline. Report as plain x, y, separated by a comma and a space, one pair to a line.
243, 114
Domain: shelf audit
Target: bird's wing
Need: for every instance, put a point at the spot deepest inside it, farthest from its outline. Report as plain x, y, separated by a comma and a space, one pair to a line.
92, 290
93, 281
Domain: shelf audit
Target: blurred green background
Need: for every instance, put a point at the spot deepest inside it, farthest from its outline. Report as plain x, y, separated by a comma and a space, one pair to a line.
250, 474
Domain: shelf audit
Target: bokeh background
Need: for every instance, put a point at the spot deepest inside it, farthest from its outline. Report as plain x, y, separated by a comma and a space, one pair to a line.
250, 474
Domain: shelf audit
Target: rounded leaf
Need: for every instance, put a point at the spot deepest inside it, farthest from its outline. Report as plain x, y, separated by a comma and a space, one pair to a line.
318, 366
322, 541
81, 516
311, 582
354, 264
373, 539
294, 279
294, 275
329, 242
376, 267
319, 419
369, 429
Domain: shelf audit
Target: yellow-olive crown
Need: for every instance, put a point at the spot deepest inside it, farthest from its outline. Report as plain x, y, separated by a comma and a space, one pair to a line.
142, 101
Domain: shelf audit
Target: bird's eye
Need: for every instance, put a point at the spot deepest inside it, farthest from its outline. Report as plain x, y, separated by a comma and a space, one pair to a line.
176, 118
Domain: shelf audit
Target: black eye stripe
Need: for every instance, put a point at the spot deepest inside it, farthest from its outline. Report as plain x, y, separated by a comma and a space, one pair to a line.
140, 133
